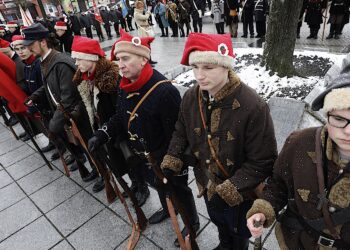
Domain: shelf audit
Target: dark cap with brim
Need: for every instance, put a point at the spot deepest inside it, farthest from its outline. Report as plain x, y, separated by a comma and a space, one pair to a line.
342, 81
34, 33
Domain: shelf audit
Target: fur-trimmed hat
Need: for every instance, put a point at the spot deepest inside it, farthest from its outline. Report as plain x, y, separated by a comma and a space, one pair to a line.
17, 40
337, 94
12, 24
2, 29
135, 45
60, 26
86, 49
208, 48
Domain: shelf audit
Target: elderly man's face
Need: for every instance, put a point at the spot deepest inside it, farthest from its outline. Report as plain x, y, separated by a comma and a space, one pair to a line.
340, 136
130, 65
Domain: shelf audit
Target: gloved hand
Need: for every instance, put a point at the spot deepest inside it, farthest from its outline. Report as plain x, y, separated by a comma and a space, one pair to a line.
97, 140
30, 99
217, 203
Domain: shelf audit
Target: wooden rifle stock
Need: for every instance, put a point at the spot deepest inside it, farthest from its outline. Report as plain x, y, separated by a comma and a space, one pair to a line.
175, 224
111, 195
141, 218
158, 172
257, 242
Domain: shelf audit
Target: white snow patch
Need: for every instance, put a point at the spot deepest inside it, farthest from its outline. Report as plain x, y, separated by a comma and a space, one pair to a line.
258, 77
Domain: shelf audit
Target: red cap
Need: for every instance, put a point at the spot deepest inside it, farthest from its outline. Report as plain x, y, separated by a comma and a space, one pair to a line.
2, 28
12, 24
132, 44
16, 40
86, 49
208, 48
60, 26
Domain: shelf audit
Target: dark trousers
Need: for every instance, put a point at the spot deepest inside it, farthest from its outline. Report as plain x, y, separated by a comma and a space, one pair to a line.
260, 28
245, 28
197, 23
188, 28
99, 32
174, 28
220, 28
77, 32
116, 28
299, 27
232, 224
123, 24
144, 174
129, 20
108, 29
314, 30
88, 32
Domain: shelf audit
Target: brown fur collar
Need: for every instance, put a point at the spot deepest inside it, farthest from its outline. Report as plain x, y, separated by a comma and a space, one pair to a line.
106, 77
228, 89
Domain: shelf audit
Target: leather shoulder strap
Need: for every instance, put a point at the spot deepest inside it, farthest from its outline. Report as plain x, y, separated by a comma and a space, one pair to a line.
132, 115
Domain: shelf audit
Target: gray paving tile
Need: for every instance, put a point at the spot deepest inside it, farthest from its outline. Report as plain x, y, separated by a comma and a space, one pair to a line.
104, 231
5, 135
63, 245
10, 144
25, 166
16, 155
55, 193
5, 179
101, 196
17, 216
37, 179
10, 195
142, 244
208, 238
163, 233
74, 212
39, 235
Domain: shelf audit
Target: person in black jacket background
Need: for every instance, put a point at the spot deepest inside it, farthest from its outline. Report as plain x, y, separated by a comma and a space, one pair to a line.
313, 17
261, 9
75, 24
64, 36
197, 12
97, 26
337, 14
86, 23
248, 17
107, 18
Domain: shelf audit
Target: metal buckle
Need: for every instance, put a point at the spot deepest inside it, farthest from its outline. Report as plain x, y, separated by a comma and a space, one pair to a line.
323, 241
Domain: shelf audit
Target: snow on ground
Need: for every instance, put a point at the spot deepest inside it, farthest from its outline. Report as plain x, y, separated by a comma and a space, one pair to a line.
251, 73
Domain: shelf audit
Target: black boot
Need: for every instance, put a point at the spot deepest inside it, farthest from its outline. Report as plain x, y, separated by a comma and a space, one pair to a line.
329, 36
226, 242
92, 175
48, 148
99, 185
12, 121
158, 216
142, 194
74, 166
26, 137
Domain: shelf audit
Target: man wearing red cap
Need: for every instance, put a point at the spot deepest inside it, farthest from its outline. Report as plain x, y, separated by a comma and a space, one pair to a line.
148, 128
64, 36
97, 79
229, 130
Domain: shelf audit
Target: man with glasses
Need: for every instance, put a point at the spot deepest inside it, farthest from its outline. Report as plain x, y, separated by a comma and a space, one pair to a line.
312, 177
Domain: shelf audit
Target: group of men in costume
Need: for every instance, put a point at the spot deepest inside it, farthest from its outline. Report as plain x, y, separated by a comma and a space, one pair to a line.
221, 127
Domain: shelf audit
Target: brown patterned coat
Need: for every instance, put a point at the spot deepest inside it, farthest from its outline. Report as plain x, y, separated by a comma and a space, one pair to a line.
242, 134
295, 177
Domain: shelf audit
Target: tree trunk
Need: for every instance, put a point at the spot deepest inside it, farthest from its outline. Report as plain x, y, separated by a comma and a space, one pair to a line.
281, 35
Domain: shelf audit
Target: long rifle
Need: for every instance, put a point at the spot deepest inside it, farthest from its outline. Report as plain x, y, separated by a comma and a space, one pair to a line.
6, 120
26, 129
167, 184
141, 223
111, 195
42, 119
